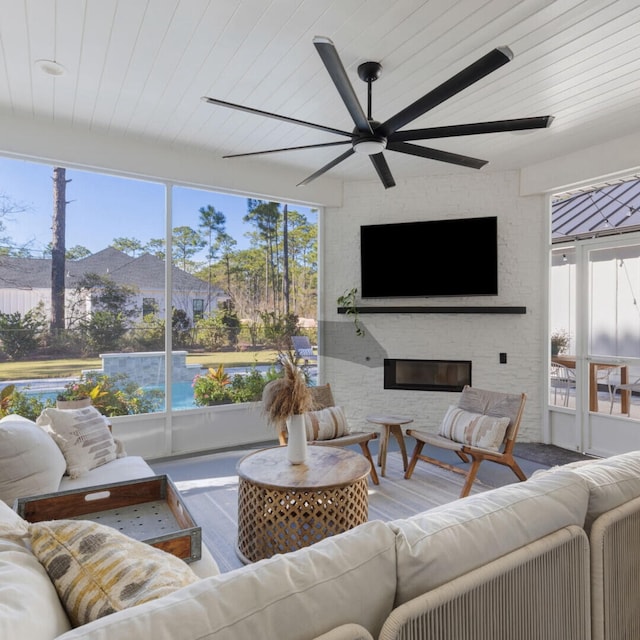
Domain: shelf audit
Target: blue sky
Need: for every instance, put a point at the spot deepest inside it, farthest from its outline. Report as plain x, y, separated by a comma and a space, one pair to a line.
103, 207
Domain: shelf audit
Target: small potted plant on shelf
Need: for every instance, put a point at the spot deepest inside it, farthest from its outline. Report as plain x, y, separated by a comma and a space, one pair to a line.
287, 399
78, 394
348, 301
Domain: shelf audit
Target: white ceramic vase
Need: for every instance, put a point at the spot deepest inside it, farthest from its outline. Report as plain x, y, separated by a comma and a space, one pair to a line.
297, 439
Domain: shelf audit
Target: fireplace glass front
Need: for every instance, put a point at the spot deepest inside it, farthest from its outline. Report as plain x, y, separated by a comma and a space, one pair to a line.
427, 375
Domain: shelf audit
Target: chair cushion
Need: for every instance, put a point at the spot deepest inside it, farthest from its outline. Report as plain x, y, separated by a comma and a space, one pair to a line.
30, 461
97, 570
473, 429
326, 424
83, 436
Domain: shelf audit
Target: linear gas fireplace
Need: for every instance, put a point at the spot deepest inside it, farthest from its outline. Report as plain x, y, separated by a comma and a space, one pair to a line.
427, 375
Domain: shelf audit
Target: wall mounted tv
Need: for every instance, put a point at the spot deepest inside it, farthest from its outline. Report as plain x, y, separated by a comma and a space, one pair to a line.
457, 257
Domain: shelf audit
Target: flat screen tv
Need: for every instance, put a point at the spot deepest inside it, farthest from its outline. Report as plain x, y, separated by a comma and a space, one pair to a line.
430, 258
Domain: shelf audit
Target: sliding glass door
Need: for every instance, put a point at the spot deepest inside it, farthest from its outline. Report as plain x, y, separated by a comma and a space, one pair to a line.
594, 368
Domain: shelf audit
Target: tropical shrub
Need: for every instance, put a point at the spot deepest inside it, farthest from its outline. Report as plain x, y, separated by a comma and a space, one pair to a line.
212, 387
21, 334
217, 387
114, 395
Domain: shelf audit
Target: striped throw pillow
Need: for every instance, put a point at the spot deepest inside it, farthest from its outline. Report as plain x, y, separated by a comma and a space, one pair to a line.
326, 424
473, 429
82, 435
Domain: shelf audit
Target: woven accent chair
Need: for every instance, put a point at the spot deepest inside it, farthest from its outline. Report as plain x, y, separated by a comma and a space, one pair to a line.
486, 403
323, 398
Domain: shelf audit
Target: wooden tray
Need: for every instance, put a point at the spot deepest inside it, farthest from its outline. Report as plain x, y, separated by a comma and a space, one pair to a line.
150, 510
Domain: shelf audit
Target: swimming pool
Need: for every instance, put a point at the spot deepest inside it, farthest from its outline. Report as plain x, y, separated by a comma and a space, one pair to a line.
181, 392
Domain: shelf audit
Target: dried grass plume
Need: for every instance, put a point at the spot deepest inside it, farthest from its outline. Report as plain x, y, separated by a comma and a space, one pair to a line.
286, 396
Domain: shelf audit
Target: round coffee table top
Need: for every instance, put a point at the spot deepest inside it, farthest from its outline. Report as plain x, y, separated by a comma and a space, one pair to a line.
325, 467
388, 419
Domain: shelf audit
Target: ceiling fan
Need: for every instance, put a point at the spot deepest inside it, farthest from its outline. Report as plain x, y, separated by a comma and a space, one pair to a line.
370, 137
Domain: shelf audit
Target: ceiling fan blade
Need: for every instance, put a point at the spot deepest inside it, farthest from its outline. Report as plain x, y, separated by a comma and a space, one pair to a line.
497, 126
306, 146
463, 79
436, 154
326, 167
329, 55
267, 114
382, 168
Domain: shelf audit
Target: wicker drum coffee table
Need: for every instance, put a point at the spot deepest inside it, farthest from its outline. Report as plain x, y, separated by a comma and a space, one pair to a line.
283, 507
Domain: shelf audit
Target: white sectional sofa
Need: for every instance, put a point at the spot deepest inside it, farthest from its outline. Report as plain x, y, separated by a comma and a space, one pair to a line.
556, 556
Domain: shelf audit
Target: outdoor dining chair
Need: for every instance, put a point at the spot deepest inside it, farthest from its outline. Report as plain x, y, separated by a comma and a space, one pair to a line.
483, 426
303, 349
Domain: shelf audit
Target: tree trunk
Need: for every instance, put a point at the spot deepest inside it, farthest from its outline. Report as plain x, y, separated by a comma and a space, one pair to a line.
285, 258
58, 248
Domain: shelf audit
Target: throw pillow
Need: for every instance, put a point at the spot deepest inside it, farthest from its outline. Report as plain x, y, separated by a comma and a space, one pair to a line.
97, 570
326, 424
83, 436
30, 461
473, 429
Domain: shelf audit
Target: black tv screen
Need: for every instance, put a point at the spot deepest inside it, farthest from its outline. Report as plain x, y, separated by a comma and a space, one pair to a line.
456, 257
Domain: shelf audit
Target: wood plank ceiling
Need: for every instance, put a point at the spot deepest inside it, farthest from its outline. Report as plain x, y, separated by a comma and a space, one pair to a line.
139, 67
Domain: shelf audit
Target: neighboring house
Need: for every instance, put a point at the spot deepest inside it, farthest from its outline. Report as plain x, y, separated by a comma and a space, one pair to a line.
25, 282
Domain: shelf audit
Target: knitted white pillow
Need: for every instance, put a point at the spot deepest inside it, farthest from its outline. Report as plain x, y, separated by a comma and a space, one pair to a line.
473, 429
83, 436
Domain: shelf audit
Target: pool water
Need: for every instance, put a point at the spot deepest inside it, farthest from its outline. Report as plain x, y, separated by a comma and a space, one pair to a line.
181, 392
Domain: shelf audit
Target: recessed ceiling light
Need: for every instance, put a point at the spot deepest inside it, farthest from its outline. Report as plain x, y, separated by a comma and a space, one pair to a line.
50, 67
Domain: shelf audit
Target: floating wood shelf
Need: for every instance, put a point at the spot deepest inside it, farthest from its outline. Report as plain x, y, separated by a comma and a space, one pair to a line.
496, 310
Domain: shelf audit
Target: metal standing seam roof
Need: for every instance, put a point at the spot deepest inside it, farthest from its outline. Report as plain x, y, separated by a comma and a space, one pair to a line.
609, 207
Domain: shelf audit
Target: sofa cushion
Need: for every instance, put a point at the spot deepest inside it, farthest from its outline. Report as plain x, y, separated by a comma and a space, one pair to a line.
30, 461
83, 436
473, 429
448, 541
612, 482
29, 604
326, 424
347, 578
119, 470
97, 570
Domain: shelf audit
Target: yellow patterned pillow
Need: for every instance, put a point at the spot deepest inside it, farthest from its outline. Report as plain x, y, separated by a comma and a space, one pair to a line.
97, 570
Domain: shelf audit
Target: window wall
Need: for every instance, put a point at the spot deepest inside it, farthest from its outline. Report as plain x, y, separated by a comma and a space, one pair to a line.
146, 266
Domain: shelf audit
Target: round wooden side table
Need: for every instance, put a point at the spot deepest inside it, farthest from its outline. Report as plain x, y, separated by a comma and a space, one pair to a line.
390, 424
283, 507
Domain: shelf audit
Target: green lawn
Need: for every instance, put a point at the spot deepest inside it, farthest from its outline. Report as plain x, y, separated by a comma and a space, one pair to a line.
71, 367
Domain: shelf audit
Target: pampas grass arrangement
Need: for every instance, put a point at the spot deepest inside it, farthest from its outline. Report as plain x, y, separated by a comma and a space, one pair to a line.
286, 396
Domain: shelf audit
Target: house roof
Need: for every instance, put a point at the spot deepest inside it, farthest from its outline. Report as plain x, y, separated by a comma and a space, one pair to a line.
145, 272
602, 209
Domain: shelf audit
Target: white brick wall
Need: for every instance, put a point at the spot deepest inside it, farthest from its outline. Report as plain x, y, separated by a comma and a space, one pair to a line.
353, 365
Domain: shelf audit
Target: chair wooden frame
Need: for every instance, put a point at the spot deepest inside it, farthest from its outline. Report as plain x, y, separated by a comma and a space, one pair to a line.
323, 397
492, 402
